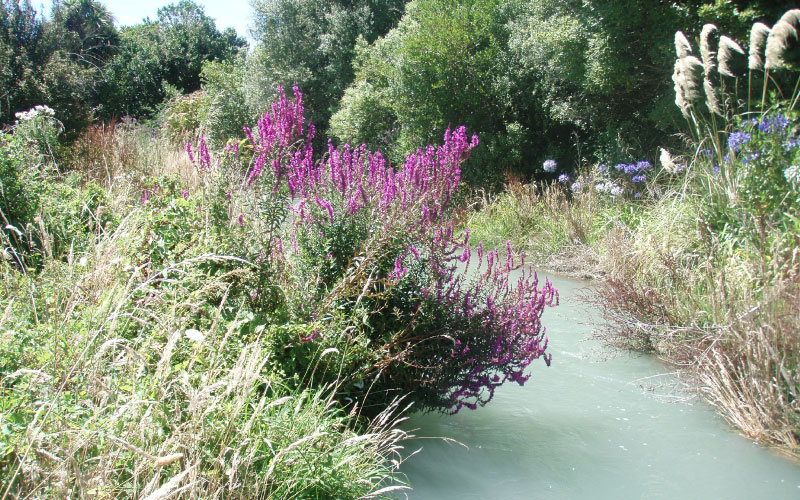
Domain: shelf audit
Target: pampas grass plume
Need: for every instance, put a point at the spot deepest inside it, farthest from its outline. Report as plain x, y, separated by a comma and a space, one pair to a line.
682, 46
709, 41
688, 76
783, 42
758, 41
730, 57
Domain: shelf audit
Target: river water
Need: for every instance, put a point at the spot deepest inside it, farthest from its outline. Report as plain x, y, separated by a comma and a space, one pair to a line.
595, 425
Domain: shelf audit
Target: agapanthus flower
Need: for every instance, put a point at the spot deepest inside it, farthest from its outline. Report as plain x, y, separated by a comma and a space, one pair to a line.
576, 186
638, 178
563, 178
777, 123
550, 165
737, 139
615, 190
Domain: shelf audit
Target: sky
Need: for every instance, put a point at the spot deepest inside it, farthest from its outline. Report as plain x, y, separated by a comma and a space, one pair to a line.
227, 13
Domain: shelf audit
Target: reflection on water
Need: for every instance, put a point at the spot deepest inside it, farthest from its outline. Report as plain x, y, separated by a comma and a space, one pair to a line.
591, 427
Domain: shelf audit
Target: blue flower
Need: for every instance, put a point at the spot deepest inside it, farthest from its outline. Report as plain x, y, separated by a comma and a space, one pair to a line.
620, 166
791, 143
638, 195
549, 166
716, 169
563, 178
638, 178
643, 165
602, 168
750, 157
778, 123
737, 139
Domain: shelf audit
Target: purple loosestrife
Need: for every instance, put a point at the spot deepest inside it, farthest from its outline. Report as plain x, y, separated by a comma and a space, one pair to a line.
463, 334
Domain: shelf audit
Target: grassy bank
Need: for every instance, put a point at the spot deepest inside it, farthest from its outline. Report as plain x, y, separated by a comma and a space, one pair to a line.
131, 366
252, 322
697, 256
693, 270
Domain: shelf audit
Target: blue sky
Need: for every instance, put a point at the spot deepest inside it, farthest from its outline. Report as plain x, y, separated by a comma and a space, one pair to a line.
227, 13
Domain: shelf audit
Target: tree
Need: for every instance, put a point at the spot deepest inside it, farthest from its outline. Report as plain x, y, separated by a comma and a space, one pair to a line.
311, 43
444, 65
169, 51
20, 58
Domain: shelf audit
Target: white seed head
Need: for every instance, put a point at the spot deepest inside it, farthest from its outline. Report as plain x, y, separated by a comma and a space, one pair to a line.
682, 46
783, 42
758, 41
709, 42
730, 57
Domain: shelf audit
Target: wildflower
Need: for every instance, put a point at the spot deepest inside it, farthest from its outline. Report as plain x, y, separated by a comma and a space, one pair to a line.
737, 139
576, 187
638, 178
792, 174
716, 169
778, 123
189, 151
752, 156
185, 194
792, 143
615, 190
637, 195
240, 220
563, 178
643, 165
549, 166
194, 335
602, 168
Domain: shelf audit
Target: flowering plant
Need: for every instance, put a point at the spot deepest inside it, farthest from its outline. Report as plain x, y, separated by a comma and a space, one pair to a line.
370, 255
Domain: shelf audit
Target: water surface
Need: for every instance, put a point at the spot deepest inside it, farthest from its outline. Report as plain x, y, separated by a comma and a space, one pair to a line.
595, 425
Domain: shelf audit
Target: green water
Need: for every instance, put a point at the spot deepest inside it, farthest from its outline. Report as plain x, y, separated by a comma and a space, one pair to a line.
595, 425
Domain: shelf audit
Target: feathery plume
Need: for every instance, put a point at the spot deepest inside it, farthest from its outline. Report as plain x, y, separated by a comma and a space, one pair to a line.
682, 46
730, 57
709, 42
712, 96
666, 160
783, 42
688, 76
758, 41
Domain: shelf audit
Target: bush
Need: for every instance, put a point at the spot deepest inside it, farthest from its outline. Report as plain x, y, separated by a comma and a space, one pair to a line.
371, 259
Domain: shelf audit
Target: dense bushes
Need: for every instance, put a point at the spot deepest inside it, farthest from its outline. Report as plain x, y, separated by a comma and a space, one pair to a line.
702, 268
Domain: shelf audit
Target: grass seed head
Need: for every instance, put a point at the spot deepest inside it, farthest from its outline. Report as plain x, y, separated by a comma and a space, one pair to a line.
783, 42
731, 58
682, 46
758, 41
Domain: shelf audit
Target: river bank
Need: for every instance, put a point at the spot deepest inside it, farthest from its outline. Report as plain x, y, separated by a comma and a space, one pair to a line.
598, 423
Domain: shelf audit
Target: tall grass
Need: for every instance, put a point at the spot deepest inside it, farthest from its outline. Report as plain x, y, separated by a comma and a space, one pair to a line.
126, 376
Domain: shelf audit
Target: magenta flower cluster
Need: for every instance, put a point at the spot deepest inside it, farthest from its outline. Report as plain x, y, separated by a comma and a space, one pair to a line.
489, 325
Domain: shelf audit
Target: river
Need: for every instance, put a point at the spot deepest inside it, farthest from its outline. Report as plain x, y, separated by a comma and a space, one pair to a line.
597, 424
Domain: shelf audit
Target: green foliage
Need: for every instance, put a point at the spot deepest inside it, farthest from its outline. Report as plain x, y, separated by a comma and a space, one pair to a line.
311, 44
20, 37
440, 66
20, 196
170, 50
225, 106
